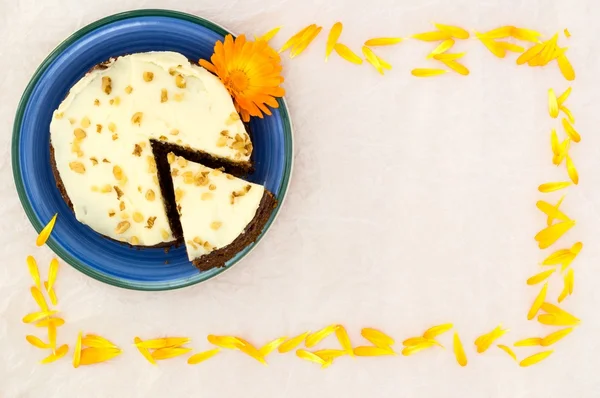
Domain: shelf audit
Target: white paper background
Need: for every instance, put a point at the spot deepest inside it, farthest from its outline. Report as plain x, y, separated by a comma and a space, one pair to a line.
412, 203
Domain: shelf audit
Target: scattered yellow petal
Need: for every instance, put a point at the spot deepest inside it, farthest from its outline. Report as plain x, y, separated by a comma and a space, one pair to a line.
567, 113
309, 356
271, 346
553, 186
457, 67
508, 350
383, 63
36, 316
34, 271
556, 336
77, 354
52, 335
202, 356
552, 104
92, 340
46, 231
566, 68
537, 303
571, 132
570, 280
529, 342
551, 234
369, 351
498, 33
372, 59
510, 47
484, 341
248, 348
563, 294
269, 35
567, 33
383, 41
332, 39
459, 351
526, 35
52, 273
144, 351
292, 41
416, 340
413, 349
564, 96
554, 320
60, 352
552, 212
344, 339
535, 358
169, 352
437, 330
564, 151
425, 72
91, 356
529, 54
448, 56
572, 171
344, 52
377, 337
301, 46
51, 294
431, 36
547, 54
558, 257
36, 342
292, 343
229, 342
538, 278
164, 342
454, 31
554, 143
493, 46
329, 354
442, 48
39, 298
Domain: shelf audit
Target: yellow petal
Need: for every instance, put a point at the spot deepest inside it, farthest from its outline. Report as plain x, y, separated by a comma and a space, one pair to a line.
554, 142
552, 212
535, 358
271, 346
571, 132
498, 33
413, 349
448, 56
552, 104
39, 298
529, 342
295, 38
144, 351
537, 303
344, 52
51, 294
34, 271
344, 339
383, 41
494, 48
526, 35
558, 257
432, 36
566, 68
556, 336
510, 47
484, 341
554, 320
369, 351
567, 113
507, 350
332, 39
529, 54
52, 272
377, 337
301, 46
553, 186
384, 64
564, 151
164, 342
229, 342
36, 316
459, 351
425, 72
437, 330
329, 354
442, 48
167, 353
372, 59
92, 340
563, 294
546, 55
538, 278
309, 356
202, 356
570, 280
77, 354
292, 343
91, 356
45, 232
52, 335
572, 171
457, 67
454, 31
36, 342
567, 33
247, 348
551, 234
564, 96
60, 352
416, 340
269, 35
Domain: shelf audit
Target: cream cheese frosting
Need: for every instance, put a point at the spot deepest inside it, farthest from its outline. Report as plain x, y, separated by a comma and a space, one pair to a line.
101, 137
214, 207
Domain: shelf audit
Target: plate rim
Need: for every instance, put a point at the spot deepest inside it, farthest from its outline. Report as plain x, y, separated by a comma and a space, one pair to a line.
18, 176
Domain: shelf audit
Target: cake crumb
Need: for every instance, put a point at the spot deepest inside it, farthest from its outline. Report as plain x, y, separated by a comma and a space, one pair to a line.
94, 161
150, 195
148, 76
106, 84
77, 167
150, 222
122, 227
128, 89
164, 95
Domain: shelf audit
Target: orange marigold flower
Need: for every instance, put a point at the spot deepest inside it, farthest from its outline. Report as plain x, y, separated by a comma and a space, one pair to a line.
251, 71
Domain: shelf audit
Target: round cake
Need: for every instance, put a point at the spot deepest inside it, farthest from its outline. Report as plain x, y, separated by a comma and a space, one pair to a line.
114, 136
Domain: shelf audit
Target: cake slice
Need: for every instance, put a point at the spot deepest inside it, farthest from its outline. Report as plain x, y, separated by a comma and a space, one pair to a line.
219, 214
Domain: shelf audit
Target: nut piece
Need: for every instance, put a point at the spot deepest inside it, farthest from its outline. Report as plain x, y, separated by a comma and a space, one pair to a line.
212, 187
216, 225
137, 118
122, 227
137, 150
106, 189
96, 102
151, 164
217, 172
85, 122
79, 134
121, 205
115, 137
98, 128
118, 191
180, 81
171, 157
174, 132
174, 172
94, 161
118, 172
150, 222
128, 89
164, 95
222, 141
77, 167
150, 195
233, 117
138, 217
59, 115
117, 101
106, 84
124, 216
112, 127
178, 97
163, 138
111, 213
179, 193
134, 240
182, 162
148, 76
165, 234
206, 196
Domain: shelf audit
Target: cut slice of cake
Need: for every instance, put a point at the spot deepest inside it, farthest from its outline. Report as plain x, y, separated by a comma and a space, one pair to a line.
219, 214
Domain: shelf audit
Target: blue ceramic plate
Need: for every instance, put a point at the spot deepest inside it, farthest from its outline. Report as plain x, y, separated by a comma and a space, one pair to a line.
75, 243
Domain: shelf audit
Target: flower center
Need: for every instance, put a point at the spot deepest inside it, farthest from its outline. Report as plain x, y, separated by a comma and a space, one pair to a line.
238, 81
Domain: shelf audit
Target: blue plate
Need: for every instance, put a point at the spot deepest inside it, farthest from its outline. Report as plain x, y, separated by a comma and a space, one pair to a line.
75, 243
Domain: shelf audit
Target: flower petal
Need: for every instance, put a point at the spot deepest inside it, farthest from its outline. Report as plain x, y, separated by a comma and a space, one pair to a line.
537, 303
269, 35
77, 354
383, 41
459, 351
556, 336
309, 356
202, 356
552, 104
292, 343
551, 234
377, 337
34, 271
91, 356
454, 31
45, 232
144, 351
535, 358
39, 298
529, 54
529, 342
369, 351
36, 342
457, 67
332, 38
372, 59
507, 350
442, 48
437, 330
60, 352
167, 353
426, 72
538, 278
52, 273
431, 36
571, 132
164, 342
566, 68
554, 186
344, 339
344, 52
271, 346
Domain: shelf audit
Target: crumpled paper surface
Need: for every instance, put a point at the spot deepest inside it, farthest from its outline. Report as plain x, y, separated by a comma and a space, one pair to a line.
412, 203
